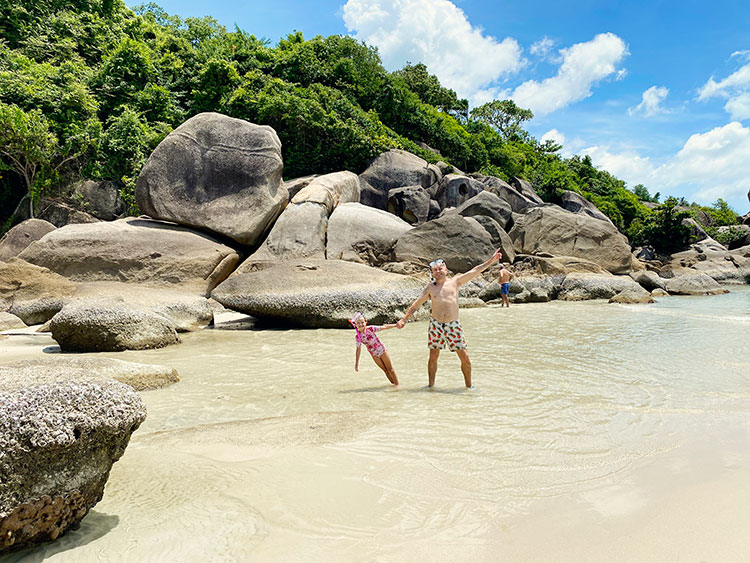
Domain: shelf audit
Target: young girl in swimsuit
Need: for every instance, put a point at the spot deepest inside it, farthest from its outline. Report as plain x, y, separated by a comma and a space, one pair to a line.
378, 352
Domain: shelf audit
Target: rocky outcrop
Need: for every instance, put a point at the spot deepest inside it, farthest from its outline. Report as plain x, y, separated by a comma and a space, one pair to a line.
410, 203
358, 233
462, 242
110, 326
9, 321
32, 293
487, 204
218, 174
59, 437
300, 232
134, 251
578, 204
395, 169
453, 190
317, 293
100, 199
296, 184
742, 233
711, 258
526, 189
633, 295
499, 238
536, 265
61, 213
697, 233
141, 377
518, 202
649, 280
698, 284
583, 286
552, 229
22, 235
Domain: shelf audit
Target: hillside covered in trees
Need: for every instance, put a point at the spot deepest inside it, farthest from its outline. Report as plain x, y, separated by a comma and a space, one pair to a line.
88, 88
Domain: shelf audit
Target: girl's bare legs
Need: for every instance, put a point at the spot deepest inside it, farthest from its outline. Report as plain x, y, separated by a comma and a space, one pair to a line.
384, 363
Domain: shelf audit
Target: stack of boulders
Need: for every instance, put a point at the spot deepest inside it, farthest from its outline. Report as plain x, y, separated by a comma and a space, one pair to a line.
221, 223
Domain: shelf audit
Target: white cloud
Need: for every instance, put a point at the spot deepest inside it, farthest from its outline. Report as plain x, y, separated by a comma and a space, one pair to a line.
735, 88
542, 48
741, 55
554, 135
650, 102
438, 34
709, 165
583, 66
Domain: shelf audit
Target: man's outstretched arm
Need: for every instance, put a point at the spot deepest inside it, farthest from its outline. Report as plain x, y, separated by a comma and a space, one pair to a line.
476, 270
414, 306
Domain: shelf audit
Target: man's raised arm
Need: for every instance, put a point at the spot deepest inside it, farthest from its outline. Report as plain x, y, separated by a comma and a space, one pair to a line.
476, 270
414, 306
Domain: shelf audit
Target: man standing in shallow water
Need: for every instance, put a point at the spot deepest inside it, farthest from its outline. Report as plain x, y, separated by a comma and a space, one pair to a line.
444, 325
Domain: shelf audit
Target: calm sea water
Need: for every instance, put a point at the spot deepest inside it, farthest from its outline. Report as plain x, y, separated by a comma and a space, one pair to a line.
272, 448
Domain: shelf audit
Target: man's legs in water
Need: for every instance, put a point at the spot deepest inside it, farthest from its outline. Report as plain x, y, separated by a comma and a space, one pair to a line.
463, 355
432, 365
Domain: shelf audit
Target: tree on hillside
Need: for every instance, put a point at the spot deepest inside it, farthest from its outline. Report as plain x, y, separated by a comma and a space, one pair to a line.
505, 116
29, 148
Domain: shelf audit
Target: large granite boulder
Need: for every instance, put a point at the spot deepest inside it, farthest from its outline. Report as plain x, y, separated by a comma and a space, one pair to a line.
461, 241
550, 228
9, 321
453, 190
410, 203
583, 286
300, 232
32, 293
649, 280
526, 189
100, 199
395, 169
61, 213
216, 173
518, 202
110, 326
317, 293
296, 184
499, 238
697, 284
135, 251
330, 190
358, 233
576, 203
535, 265
59, 436
488, 204
22, 235
697, 233
633, 295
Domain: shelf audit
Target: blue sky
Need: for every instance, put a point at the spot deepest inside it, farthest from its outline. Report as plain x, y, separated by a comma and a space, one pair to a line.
657, 92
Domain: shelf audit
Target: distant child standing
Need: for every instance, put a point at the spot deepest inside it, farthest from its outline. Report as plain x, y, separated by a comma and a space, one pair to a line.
504, 280
378, 352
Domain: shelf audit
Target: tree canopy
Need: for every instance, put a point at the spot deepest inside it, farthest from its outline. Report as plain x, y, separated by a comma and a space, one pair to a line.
89, 88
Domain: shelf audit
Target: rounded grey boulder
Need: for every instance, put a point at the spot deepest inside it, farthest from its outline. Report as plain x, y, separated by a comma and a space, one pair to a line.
22, 235
317, 293
216, 173
59, 437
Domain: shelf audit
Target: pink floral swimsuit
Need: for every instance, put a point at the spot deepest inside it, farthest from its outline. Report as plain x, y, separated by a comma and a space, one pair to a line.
373, 343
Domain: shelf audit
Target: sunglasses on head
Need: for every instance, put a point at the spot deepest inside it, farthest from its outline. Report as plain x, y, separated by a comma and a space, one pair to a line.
437, 262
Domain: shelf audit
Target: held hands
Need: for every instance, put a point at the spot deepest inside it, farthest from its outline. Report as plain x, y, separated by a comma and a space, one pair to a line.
400, 323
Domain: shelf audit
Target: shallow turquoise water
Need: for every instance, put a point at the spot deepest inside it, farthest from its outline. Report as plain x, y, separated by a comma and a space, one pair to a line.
599, 410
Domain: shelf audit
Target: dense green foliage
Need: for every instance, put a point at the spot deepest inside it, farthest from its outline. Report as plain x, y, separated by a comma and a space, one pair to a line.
88, 88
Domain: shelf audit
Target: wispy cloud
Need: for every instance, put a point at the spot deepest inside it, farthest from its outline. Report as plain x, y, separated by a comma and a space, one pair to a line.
651, 101
583, 66
735, 88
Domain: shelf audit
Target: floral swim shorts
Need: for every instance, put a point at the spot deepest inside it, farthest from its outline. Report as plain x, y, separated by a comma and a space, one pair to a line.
440, 334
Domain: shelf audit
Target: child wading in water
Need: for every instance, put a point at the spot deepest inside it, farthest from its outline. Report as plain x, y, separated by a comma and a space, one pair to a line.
378, 352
